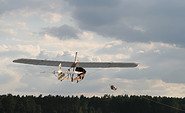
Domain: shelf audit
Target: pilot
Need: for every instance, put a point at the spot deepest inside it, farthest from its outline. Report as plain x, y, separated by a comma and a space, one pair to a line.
80, 76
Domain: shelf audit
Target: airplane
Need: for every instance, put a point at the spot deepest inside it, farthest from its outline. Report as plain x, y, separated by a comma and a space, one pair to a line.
76, 66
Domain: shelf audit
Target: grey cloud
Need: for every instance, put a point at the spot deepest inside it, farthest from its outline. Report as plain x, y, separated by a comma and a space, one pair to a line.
9, 5
45, 5
63, 32
163, 21
166, 64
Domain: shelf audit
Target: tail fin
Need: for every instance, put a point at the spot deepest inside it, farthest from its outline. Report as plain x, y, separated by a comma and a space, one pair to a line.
60, 67
76, 60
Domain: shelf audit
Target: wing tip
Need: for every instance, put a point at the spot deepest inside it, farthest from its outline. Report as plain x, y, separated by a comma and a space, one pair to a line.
137, 64
18, 60
15, 61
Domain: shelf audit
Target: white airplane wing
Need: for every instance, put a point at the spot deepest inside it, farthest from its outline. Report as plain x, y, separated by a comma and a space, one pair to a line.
82, 64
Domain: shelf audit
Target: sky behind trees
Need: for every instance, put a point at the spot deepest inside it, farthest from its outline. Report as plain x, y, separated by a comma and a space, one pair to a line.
148, 32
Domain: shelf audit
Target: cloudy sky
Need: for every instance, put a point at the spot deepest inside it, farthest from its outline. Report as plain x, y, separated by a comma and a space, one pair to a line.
145, 31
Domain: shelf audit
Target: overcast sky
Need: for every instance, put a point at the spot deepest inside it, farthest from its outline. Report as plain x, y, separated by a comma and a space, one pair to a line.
144, 31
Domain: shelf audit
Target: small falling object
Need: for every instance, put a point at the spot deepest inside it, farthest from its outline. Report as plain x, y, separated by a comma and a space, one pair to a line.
113, 87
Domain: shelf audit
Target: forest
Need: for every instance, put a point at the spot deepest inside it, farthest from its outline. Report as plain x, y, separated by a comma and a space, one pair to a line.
80, 104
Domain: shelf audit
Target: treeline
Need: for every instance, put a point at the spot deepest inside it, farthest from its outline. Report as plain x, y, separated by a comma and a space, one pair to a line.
82, 104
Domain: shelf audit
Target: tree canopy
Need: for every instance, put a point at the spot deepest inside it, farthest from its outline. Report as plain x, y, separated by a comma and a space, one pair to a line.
105, 104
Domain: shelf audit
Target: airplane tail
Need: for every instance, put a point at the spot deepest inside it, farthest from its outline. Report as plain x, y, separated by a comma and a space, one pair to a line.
76, 60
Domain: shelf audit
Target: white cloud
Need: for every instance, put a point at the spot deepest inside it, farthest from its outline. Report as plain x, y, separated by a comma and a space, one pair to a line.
157, 51
21, 25
142, 66
139, 28
87, 35
94, 59
155, 47
84, 46
133, 87
9, 31
31, 49
51, 17
11, 77
49, 41
24, 12
150, 87
146, 46
122, 56
113, 43
113, 57
17, 40
170, 89
3, 48
168, 45
141, 51
16, 25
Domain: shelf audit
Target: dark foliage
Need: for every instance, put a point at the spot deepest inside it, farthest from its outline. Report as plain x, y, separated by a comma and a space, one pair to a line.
82, 104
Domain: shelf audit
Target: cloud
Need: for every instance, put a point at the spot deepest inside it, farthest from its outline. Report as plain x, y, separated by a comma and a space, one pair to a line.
113, 43
87, 35
21, 25
51, 17
128, 81
3, 48
131, 87
6, 6
140, 51
32, 5
157, 60
115, 47
56, 55
17, 49
143, 67
132, 21
9, 31
146, 32
85, 45
10, 79
63, 32
139, 28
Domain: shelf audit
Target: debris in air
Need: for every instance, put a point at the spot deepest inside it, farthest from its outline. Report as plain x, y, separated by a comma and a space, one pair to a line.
113, 87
